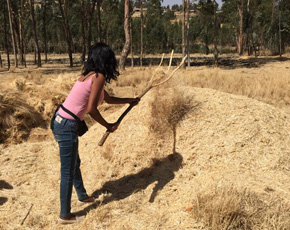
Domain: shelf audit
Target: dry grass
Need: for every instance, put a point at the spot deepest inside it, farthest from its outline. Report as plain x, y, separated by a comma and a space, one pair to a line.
239, 208
269, 84
169, 106
17, 118
229, 164
136, 77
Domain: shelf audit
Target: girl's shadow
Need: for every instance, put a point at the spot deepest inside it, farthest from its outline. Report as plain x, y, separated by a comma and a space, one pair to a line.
161, 171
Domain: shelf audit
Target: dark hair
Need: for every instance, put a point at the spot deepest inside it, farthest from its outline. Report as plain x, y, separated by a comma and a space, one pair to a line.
101, 59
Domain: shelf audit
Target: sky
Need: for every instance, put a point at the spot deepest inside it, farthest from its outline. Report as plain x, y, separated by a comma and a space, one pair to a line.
179, 2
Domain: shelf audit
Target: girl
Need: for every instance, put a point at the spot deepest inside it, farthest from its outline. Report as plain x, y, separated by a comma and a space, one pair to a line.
88, 91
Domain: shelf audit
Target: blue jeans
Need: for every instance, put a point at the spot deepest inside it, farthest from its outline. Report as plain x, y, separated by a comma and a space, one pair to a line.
65, 133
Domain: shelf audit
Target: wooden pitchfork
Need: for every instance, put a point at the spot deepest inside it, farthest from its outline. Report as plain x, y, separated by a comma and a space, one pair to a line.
154, 82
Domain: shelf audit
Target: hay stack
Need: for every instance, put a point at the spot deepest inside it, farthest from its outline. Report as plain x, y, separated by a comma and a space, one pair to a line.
221, 148
223, 140
17, 118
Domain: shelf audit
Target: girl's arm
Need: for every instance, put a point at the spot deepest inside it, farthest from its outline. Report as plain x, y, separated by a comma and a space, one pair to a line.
117, 100
96, 90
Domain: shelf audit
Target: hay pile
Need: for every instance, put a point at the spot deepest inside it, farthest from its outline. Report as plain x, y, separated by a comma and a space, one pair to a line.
17, 118
218, 149
27, 105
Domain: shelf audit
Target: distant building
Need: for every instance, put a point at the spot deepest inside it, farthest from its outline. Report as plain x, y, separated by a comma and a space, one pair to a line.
179, 15
137, 12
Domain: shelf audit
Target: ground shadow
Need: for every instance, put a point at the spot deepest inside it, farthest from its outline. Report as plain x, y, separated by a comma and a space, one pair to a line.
223, 62
161, 171
4, 185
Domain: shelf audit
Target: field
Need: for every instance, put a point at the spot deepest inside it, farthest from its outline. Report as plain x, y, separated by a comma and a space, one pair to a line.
208, 150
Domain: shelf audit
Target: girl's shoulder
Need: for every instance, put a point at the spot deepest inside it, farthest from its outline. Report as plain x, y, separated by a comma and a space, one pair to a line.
90, 75
98, 76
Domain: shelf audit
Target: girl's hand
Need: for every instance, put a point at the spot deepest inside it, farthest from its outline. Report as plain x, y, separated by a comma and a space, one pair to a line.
112, 127
134, 101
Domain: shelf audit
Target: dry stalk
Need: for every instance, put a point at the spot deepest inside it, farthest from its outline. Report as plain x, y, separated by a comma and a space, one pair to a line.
22, 222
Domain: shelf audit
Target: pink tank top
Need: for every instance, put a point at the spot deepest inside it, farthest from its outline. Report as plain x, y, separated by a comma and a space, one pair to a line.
77, 100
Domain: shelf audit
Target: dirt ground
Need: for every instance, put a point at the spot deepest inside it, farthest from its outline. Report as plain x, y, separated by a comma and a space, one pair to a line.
185, 158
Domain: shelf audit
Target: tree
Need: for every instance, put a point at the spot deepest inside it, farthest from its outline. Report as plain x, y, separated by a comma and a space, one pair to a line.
183, 30
155, 34
64, 13
126, 48
187, 33
241, 27
44, 16
83, 25
99, 2
6, 35
21, 33
141, 32
31, 2
215, 34
205, 15
91, 7
13, 32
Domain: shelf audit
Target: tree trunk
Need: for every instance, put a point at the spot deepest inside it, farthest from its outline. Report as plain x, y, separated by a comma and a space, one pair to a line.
20, 21
131, 46
141, 33
241, 25
280, 35
37, 50
16, 33
5, 37
63, 11
187, 34
183, 31
43, 3
83, 20
35, 56
251, 32
206, 41
99, 2
90, 17
12, 31
273, 12
215, 53
126, 48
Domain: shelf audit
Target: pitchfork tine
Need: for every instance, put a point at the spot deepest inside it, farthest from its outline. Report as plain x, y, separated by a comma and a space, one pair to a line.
161, 59
170, 62
181, 63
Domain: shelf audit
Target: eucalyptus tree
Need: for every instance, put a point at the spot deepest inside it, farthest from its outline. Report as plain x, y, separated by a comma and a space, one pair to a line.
13, 31
155, 34
215, 34
233, 15
205, 11
37, 49
126, 48
5, 32
64, 7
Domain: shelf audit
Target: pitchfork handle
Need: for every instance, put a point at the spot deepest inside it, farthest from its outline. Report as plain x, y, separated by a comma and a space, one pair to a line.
107, 133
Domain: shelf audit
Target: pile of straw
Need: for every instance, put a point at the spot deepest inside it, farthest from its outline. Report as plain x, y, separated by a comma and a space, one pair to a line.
17, 118
204, 160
